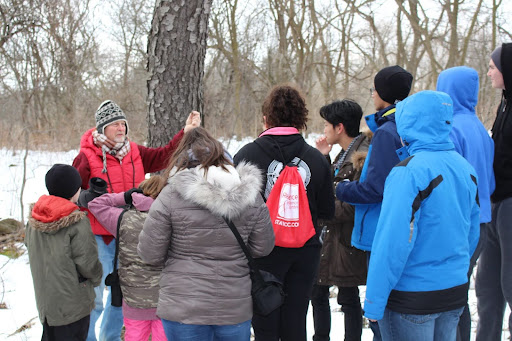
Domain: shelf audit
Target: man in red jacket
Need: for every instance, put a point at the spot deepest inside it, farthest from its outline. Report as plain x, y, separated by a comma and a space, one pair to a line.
106, 152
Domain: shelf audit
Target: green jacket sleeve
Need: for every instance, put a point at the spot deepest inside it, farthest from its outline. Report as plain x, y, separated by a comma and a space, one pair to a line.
84, 252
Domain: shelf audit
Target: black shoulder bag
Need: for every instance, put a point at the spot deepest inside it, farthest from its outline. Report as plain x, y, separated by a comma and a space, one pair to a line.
267, 291
112, 280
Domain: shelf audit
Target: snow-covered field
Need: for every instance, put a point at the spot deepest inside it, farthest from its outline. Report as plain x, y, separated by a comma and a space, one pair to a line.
16, 289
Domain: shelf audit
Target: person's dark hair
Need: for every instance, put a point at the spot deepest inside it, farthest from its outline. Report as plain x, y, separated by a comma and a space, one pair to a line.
345, 111
198, 148
285, 107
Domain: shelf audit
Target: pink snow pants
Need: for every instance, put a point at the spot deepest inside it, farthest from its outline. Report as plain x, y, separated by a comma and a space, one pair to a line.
139, 330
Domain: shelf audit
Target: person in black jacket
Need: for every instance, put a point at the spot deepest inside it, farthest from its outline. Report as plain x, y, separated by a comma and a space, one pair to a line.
494, 274
284, 116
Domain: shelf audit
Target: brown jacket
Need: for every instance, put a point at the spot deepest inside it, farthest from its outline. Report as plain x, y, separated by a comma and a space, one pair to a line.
340, 263
205, 279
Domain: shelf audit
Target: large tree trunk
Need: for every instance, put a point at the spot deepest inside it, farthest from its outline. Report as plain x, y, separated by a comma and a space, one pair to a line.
176, 48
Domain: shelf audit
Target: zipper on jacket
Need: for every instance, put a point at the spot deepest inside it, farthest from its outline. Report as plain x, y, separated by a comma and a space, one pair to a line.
411, 229
362, 225
503, 116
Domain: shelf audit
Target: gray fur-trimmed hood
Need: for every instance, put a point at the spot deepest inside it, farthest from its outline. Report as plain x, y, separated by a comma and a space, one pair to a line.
224, 193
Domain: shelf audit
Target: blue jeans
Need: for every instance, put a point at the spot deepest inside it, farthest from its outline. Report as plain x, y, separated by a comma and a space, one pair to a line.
112, 321
176, 331
430, 327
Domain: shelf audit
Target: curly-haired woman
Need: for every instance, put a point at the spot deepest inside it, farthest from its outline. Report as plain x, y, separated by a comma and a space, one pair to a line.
284, 117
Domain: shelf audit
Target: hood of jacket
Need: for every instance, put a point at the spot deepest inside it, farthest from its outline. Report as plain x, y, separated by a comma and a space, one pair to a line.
281, 146
377, 119
359, 156
224, 193
461, 84
424, 121
51, 213
87, 141
506, 65
358, 159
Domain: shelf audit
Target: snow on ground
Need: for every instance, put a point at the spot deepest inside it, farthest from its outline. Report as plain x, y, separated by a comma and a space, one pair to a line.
16, 289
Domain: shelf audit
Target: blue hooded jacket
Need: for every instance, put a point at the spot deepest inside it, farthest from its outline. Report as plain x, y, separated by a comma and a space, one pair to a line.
469, 135
366, 194
430, 219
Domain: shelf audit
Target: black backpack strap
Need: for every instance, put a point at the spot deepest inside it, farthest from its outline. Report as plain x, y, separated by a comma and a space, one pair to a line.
117, 238
252, 264
303, 152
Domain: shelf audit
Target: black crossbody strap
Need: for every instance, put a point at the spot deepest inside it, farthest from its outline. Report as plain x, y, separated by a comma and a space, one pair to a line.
117, 238
252, 263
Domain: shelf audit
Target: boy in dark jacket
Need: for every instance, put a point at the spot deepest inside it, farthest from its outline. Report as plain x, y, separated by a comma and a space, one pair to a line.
340, 263
63, 258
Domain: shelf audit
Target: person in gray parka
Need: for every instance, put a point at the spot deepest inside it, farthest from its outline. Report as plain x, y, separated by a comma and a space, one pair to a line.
205, 288
63, 258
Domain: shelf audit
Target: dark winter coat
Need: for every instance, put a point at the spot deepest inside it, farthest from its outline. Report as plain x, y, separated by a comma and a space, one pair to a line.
63, 259
342, 264
502, 132
205, 279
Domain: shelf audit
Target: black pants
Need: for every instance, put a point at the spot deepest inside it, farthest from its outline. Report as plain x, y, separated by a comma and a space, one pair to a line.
297, 269
76, 331
350, 303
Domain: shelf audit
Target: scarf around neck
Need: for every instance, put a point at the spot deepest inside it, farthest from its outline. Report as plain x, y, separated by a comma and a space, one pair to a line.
120, 150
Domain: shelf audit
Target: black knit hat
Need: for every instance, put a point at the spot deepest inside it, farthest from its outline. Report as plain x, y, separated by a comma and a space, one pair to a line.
63, 181
496, 58
109, 112
393, 84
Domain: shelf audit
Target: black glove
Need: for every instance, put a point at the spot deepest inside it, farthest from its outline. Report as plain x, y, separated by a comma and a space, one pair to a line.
128, 195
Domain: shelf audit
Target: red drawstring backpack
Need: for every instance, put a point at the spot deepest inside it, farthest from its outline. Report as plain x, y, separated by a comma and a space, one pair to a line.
289, 209
288, 206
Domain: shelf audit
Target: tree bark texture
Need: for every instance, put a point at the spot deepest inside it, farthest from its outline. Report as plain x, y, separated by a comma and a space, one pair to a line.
176, 52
